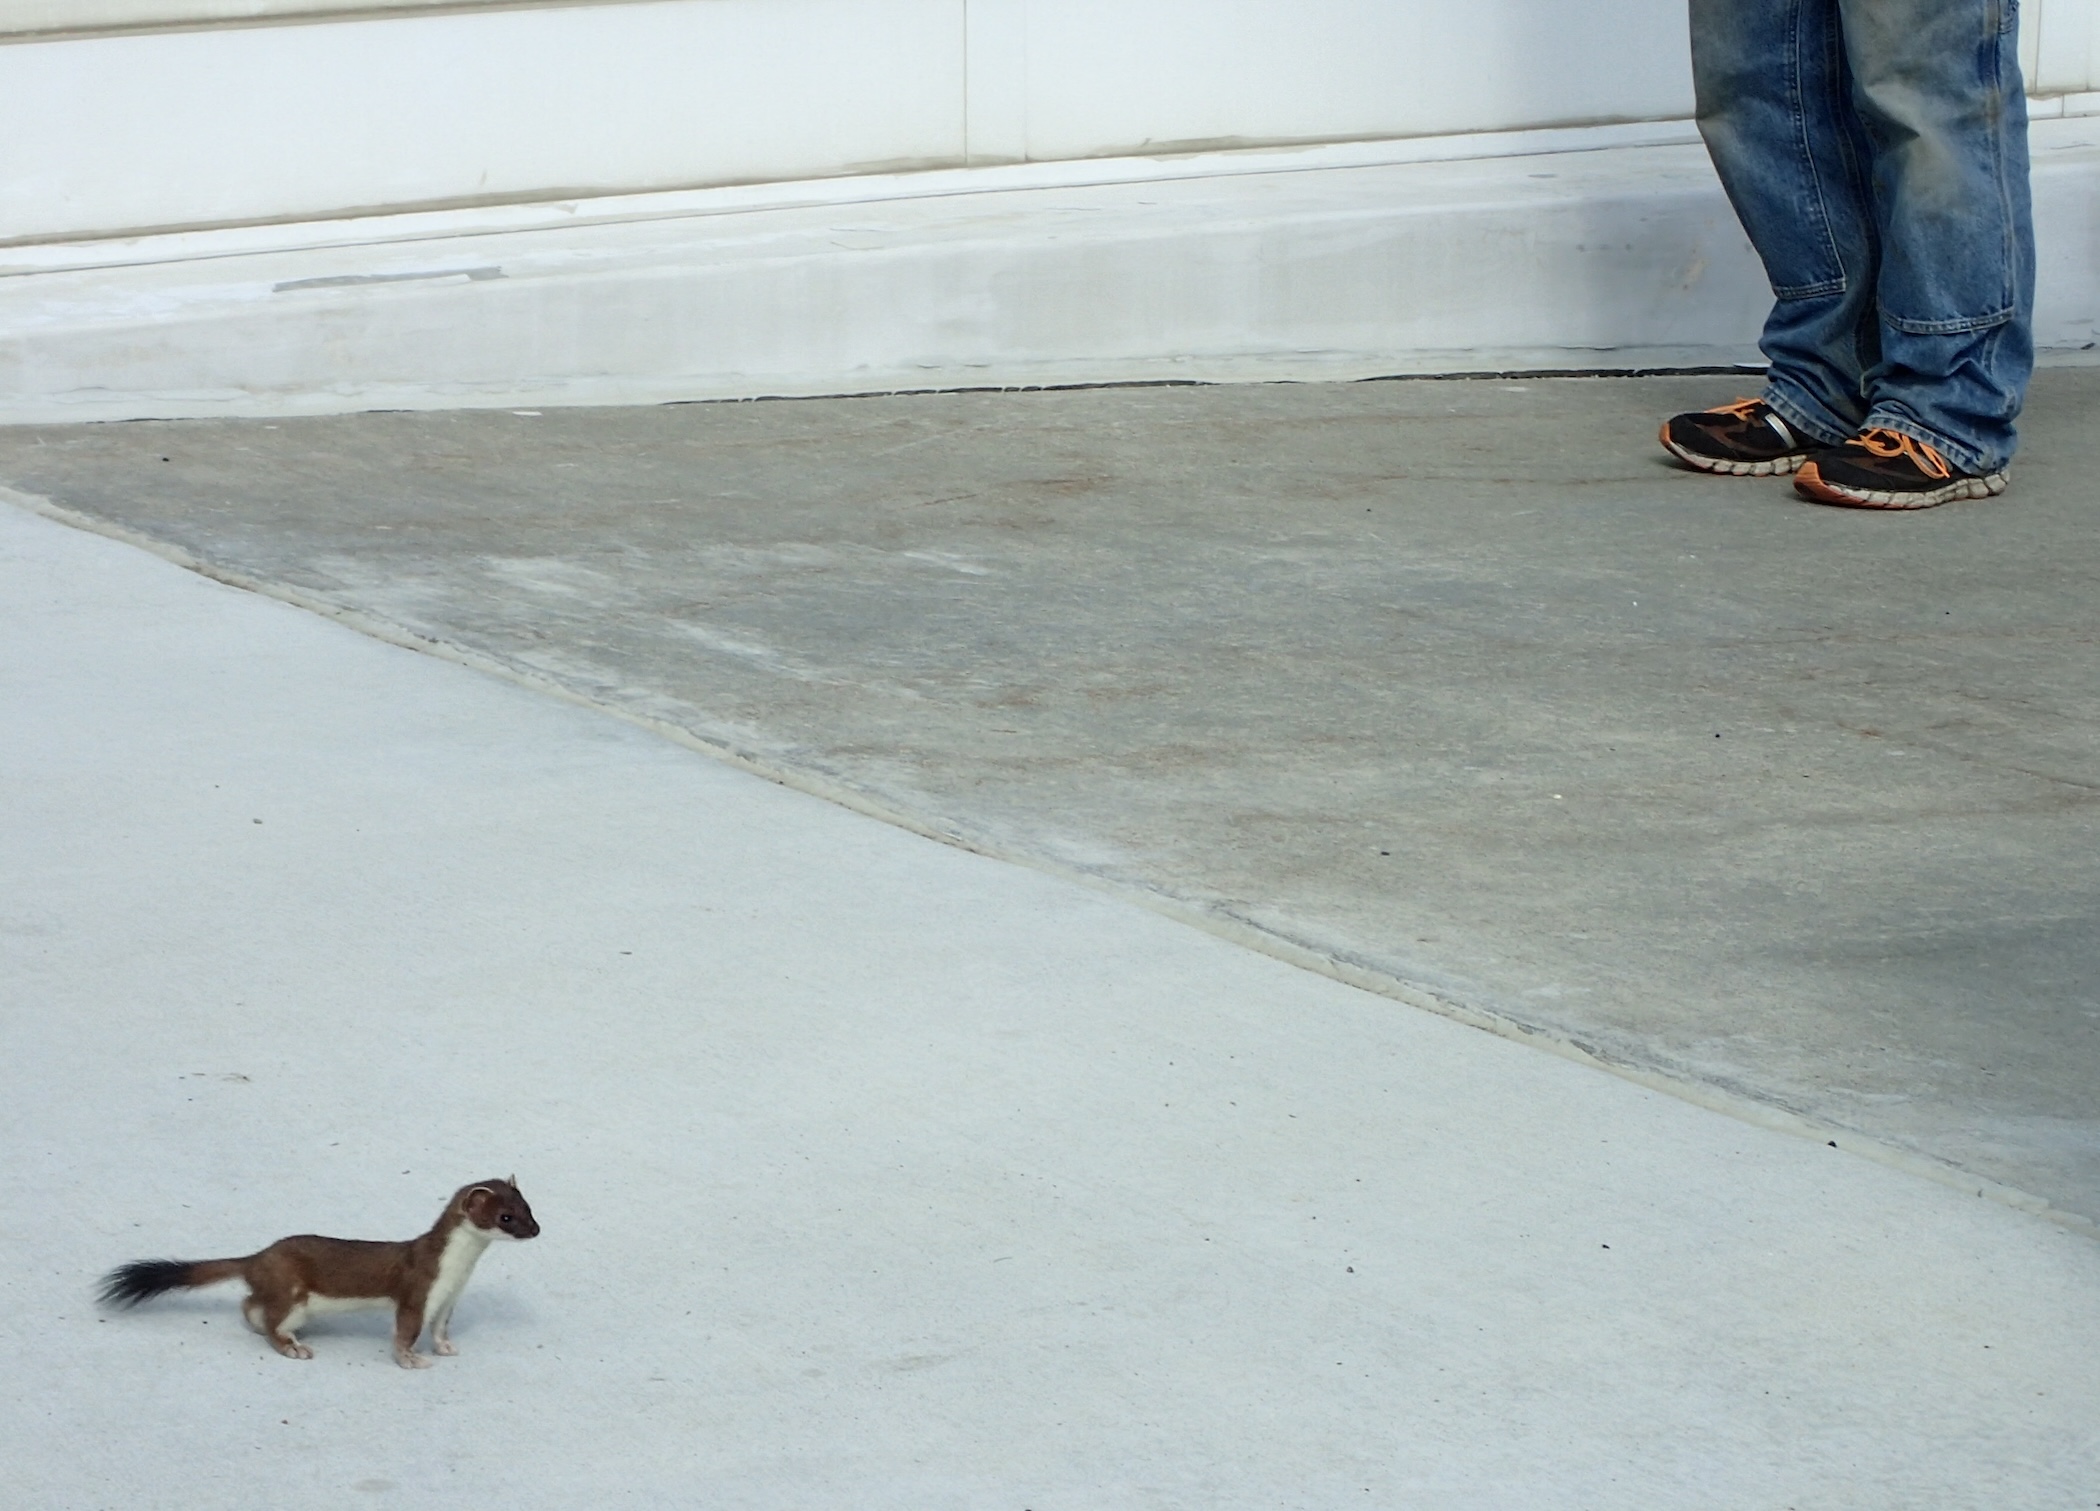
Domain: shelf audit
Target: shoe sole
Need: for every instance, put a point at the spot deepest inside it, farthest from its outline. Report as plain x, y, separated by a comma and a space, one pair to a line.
1778, 466
1810, 485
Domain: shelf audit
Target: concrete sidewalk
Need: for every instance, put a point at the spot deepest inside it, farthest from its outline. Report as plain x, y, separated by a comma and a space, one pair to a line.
1451, 689
873, 1172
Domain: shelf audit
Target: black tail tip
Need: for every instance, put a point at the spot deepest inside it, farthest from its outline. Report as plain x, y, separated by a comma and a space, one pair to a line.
133, 1283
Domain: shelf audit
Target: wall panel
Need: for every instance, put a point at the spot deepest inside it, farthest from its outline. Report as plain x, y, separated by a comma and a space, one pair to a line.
1112, 76
2067, 43
111, 134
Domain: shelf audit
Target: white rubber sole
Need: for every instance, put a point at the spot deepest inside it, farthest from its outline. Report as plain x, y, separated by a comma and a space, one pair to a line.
1990, 485
1778, 466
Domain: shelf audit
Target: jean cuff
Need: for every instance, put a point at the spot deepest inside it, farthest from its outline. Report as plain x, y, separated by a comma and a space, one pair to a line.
1963, 458
1805, 415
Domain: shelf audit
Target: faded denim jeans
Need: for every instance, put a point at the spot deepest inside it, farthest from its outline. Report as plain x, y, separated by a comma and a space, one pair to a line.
1876, 153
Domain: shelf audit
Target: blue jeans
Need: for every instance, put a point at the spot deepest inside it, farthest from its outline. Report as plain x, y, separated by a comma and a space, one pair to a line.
1876, 153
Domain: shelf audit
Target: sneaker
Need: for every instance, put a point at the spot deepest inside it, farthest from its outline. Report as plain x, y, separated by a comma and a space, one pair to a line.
1886, 469
1743, 439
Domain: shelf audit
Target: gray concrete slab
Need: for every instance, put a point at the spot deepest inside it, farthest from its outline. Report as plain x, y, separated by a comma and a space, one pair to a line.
1456, 686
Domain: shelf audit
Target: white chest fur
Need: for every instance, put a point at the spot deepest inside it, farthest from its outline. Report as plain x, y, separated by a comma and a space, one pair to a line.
464, 1246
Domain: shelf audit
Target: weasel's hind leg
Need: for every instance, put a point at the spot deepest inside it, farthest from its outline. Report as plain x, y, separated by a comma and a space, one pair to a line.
280, 1318
282, 1339
276, 1304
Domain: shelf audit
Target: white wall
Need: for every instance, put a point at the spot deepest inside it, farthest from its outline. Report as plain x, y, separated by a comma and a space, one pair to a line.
2065, 36
110, 134
1100, 77
117, 133
139, 127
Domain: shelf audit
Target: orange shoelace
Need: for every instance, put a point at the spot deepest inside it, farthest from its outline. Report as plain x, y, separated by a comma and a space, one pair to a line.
1883, 442
1740, 408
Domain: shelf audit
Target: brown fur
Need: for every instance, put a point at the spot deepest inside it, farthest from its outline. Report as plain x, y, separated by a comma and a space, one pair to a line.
306, 1272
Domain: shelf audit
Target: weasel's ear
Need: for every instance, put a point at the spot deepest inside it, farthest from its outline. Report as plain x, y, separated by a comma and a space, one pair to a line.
512, 1183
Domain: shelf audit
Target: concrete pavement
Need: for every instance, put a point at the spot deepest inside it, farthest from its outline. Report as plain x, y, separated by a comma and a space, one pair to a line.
1451, 689
874, 1172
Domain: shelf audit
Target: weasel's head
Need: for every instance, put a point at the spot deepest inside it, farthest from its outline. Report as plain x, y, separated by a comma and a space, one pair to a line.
497, 1208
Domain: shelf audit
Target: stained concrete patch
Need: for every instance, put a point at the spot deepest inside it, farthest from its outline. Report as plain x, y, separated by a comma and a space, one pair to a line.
1457, 682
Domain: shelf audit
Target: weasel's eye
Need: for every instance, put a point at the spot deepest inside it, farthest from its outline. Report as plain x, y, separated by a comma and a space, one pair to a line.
505, 1218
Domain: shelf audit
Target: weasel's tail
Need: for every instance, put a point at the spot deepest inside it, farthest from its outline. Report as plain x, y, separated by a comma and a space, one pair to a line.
148, 1278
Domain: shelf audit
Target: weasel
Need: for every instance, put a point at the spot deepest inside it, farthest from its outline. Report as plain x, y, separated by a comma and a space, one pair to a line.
309, 1276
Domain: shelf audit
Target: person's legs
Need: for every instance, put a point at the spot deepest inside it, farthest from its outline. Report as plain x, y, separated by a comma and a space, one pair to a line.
1775, 106
1937, 87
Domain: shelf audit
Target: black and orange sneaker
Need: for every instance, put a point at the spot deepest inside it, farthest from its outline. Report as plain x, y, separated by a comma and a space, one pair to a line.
1742, 439
1886, 469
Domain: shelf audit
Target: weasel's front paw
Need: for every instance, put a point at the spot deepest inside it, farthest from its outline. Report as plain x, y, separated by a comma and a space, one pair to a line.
444, 1346
409, 1360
